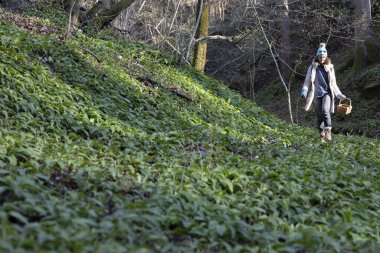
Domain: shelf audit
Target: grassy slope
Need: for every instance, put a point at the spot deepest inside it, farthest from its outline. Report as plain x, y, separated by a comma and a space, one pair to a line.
93, 160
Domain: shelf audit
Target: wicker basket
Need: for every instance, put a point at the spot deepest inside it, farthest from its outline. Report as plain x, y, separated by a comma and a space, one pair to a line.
344, 109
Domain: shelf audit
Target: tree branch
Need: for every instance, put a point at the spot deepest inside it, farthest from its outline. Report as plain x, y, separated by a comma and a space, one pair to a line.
275, 62
213, 37
170, 45
91, 53
67, 34
228, 63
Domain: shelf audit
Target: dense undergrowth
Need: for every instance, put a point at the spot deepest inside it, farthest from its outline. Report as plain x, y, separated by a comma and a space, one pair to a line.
108, 146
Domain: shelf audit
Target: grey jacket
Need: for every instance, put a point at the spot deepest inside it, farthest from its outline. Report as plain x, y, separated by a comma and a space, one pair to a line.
308, 87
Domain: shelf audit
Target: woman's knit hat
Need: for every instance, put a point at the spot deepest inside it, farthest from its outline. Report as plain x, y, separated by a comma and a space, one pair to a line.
322, 50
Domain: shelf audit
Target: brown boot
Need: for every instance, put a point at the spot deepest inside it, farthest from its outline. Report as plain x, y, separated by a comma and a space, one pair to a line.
322, 135
328, 134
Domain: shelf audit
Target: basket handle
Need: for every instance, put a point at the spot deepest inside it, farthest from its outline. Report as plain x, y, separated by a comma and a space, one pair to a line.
349, 100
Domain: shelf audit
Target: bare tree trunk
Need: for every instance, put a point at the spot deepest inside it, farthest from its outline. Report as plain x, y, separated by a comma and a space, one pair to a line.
198, 20
106, 17
366, 19
91, 14
285, 40
362, 33
73, 7
70, 19
252, 75
124, 21
76, 10
200, 51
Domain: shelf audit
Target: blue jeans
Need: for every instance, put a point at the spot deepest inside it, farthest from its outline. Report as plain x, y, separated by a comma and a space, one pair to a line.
322, 108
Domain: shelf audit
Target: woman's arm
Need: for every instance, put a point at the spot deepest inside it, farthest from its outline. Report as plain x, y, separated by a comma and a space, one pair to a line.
334, 85
307, 83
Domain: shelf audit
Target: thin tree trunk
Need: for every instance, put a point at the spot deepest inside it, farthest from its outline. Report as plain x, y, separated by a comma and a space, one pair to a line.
72, 7
366, 19
76, 12
285, 39
174, 16
200, 51
252, 75
69, 23
187, 53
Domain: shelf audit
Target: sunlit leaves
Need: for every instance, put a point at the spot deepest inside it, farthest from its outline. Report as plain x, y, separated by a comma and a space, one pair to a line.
93, 160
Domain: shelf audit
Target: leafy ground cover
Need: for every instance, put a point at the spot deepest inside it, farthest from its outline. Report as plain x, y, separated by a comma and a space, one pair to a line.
108, 146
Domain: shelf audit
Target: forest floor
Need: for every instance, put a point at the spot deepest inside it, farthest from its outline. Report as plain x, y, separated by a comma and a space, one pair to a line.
112, 146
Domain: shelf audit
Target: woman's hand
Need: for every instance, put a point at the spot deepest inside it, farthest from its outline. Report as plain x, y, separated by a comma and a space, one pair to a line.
304, 94
341, 97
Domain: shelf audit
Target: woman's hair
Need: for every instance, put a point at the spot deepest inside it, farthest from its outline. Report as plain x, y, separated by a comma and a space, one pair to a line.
327, 61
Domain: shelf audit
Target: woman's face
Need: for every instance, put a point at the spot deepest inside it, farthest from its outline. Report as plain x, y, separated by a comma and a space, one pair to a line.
321, 59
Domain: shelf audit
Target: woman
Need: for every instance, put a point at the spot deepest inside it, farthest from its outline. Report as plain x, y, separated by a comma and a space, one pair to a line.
320, 89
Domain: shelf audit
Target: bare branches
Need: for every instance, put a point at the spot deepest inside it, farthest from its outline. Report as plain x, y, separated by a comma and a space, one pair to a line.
277, 66
228, 63
213, 37
171, 46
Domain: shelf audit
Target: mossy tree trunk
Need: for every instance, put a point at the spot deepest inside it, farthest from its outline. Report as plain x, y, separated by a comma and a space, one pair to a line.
200, 50
105, 17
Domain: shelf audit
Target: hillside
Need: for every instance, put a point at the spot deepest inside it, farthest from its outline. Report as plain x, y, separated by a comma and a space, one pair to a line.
109, 146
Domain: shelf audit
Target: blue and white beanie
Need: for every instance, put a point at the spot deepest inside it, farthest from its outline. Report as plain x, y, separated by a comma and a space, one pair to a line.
322, 50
